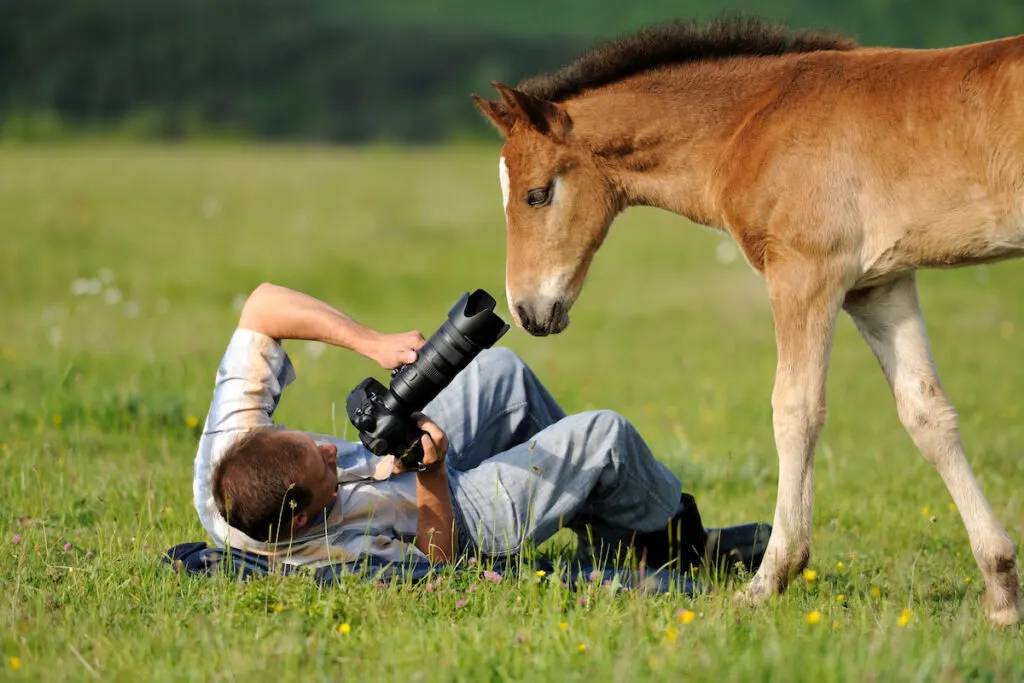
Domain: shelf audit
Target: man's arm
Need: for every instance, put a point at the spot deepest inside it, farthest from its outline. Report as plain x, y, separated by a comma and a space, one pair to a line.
435, 518
251, 377
255, 369
282, 313
279, 313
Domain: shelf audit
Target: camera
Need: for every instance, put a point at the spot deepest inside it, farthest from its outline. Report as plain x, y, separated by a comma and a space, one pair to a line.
383, 415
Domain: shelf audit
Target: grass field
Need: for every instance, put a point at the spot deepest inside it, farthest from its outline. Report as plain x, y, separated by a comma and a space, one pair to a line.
121, 273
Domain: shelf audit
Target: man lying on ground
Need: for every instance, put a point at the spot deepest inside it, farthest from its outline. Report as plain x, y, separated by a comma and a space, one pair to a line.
504, 464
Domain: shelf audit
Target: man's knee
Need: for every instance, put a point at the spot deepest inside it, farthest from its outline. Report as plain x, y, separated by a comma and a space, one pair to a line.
606, 423
499, 361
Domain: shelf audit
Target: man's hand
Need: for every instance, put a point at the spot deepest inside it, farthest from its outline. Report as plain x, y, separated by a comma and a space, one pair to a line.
393, 350
434, 442
435, 525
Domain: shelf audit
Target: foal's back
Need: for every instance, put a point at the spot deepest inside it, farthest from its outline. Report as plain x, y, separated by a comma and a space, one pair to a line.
898, 159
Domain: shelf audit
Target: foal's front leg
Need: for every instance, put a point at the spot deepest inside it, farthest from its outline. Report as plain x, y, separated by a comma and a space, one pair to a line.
805, 300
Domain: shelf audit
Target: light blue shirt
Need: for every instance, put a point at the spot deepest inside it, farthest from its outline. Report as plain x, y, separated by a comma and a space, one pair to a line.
374, 512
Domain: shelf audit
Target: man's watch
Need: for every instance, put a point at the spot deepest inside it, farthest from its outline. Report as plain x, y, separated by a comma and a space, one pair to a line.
428, 469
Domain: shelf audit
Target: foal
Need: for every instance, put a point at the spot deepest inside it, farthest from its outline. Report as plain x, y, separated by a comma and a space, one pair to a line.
838, 170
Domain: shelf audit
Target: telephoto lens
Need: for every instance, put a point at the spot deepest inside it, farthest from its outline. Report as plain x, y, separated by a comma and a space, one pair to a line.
383, 416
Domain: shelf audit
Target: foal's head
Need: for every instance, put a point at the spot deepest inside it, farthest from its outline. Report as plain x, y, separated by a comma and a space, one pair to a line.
558, 206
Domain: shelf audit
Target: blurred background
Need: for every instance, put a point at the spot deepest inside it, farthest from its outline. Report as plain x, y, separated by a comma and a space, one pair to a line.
160, 158
345, 71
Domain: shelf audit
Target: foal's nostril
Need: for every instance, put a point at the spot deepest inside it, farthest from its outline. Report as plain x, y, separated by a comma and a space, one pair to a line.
557, 311
522, 314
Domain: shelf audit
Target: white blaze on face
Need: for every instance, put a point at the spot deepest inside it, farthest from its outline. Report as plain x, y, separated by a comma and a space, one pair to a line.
508, 300
503, 178
553, 287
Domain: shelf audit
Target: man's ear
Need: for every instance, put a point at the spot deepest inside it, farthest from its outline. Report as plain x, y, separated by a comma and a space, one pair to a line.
496, 112
300, 520
547, 118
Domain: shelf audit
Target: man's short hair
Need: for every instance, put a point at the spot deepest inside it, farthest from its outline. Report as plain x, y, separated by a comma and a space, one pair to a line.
255, 487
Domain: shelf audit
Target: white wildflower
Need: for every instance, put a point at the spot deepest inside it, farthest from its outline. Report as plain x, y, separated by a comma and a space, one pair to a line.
86, 286
211, 208
726, 253
314, 349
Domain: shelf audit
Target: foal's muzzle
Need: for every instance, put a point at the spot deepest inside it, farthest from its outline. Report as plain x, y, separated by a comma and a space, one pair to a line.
542, 317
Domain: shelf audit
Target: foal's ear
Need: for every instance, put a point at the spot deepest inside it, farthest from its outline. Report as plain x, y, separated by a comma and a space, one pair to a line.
543, 116
497, 112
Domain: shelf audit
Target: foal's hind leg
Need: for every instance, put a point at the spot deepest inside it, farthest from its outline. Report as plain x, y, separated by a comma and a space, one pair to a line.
889, 318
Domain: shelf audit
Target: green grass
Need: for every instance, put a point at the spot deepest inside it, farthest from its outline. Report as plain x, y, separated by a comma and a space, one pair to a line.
96, 400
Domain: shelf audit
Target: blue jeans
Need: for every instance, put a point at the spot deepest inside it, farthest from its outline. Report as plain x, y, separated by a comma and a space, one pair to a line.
520, 469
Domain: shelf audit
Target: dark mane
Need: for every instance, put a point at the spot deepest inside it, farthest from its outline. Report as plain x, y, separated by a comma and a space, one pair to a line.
676, 43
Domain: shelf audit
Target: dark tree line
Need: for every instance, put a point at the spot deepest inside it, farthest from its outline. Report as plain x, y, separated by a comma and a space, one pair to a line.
353, 70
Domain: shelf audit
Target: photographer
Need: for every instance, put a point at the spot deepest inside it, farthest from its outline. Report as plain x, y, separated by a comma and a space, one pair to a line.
502, 464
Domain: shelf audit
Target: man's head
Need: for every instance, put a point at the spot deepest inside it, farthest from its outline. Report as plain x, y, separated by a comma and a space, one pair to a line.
272, 483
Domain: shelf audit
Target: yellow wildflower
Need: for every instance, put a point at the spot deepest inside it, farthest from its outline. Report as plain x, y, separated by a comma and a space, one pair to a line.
952, 507
564, 626
925, 511
835, 625
686, 616
278, 607
670, 634
876, 592
810, 575
192, 421
840, 565
967, 579
541, 573
841, 597
581, 648
14, 663
813, 618
56, 419
905, 616
344, 629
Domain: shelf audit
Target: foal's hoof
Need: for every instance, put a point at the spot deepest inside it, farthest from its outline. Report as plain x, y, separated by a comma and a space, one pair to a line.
1007, 616
754, 594
1004, 612
745, 598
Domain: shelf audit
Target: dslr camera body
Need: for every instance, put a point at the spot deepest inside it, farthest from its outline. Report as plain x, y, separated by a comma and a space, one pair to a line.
383, 415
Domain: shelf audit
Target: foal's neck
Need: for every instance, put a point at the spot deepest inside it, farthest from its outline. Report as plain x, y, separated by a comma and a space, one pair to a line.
663, 138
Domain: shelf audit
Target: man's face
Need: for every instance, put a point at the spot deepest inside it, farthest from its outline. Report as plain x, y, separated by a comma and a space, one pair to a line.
318, 473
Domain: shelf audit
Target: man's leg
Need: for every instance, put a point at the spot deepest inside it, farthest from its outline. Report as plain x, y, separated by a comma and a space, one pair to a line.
591, 466
495, 403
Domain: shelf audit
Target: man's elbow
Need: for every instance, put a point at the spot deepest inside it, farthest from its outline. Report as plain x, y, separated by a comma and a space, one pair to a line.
263, 290
255, 304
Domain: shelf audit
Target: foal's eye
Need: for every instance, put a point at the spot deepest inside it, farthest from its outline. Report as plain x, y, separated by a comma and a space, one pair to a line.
539, 196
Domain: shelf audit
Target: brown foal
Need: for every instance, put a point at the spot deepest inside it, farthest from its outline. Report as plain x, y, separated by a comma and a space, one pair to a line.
839, 171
